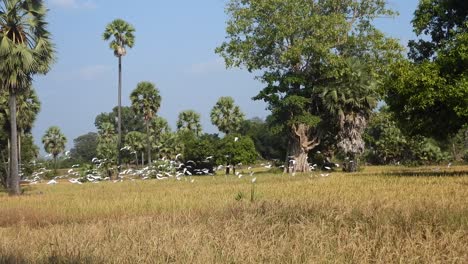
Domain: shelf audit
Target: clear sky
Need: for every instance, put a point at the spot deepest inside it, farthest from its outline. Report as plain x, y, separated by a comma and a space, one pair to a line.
174, 48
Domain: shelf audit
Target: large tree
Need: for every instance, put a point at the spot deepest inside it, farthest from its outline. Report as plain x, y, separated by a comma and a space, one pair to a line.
25, 50
146, 102
189, 120
54, 143
226, 115
429, 92
122, 34
298, 46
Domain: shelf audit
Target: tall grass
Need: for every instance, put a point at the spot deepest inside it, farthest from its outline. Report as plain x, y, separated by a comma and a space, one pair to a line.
370, 217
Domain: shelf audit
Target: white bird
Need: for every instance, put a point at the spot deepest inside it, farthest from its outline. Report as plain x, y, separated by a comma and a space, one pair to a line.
240, 176
268, 166
327, 168
337, 165
75, 165
254, 180
70, 171
249, 168
450, 164
51, 182
178, 155
325, 175
236, 139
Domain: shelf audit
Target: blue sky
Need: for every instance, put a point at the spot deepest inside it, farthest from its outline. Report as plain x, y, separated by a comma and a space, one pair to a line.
175, 42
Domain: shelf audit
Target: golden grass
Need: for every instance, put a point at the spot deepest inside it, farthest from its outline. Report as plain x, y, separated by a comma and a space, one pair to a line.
367, 217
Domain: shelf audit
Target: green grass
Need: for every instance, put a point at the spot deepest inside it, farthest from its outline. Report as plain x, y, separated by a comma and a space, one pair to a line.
381, 215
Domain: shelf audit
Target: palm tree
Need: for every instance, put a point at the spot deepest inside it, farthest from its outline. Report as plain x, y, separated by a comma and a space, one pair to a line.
189, 120
350, 102
146, 102
226, 115
25, 50
123, 37
135, 140
54, 143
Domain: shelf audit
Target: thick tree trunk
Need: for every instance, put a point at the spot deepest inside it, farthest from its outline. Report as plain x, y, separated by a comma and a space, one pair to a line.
19, 150
119, 122
142, 159
13, 185
148, 143
301, 143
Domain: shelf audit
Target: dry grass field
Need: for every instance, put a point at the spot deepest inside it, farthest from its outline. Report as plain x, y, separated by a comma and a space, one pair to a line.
381, 215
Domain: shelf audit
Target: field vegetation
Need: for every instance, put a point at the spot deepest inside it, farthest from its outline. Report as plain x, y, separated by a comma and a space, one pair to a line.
380, 215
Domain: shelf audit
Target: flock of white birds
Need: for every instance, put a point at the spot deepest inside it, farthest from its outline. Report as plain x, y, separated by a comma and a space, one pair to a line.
162, 169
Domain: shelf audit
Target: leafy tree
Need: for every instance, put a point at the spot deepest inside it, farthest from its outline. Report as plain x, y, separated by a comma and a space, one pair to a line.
130, 120
200, 148
299, 46
269, 144
84, 149
429, 93
189, 120
146, 102
458, 145
234, 149
387, 143
54, 143
226, 115
122, 34
25, 50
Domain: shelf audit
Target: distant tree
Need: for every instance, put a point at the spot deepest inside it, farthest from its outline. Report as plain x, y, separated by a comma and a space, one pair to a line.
146, 102
130, 120
189, 120
200, 148
122, 34
429, 92
106, 150
84, 149
226, 115
26, 49
269, 144
234, 149
54, 143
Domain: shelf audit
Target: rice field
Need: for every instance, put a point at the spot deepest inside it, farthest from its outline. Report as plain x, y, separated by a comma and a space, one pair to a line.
380, 215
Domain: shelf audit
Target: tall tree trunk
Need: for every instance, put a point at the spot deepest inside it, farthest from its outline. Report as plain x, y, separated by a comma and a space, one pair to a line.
142, 159
55, 165
19, 150
119, 122
14, 186
301, 143
148, 143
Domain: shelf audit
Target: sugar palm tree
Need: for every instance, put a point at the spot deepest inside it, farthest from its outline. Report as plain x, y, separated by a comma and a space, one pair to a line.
350, 102
189, 120
226, 115
25, 50
146, 102
122, 34
54, 143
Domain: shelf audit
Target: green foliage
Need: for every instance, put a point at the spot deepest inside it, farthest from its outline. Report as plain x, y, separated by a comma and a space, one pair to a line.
458, 145
145, 100
268, 144
54, 141
303, 49
389, 145
226, 115
130, 120
199, 148
235, 152
85, 146
429, 94
189, 120
107, 143
122, 34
